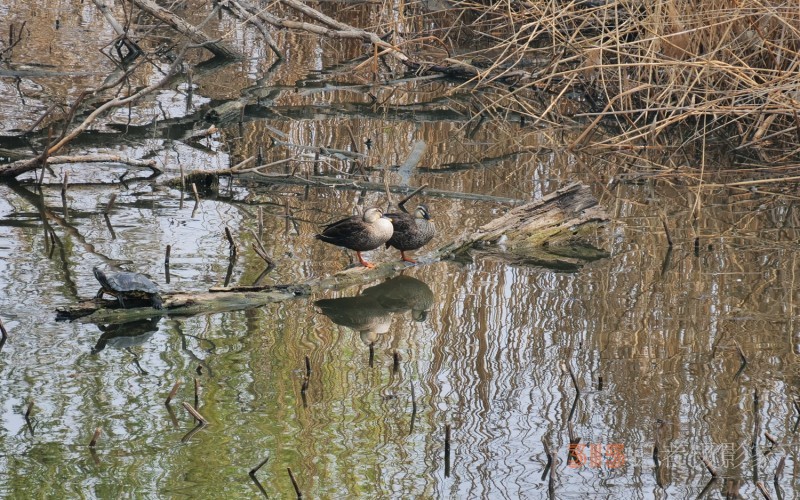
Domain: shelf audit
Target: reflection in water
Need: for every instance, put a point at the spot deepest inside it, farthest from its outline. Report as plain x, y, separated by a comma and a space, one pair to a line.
371, 312
124, 335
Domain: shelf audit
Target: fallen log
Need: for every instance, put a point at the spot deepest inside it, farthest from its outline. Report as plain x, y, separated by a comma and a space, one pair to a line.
554, 231
216, 47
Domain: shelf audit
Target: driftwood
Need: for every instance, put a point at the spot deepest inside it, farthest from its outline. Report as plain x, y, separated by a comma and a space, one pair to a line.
546, 232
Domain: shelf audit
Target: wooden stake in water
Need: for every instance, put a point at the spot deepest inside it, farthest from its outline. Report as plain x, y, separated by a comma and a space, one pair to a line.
195, 413
447, 450
294, 484
110, 204
252, 475
413, 406
172, 392
708, 465
308, 366
549, 458
260, 465
28, 410
196, 393
166, 254
96, 435
303, 389
395, 362
231, 243
763, 490
64, 184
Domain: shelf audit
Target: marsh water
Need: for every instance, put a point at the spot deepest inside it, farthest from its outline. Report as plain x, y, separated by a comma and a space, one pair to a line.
692, 349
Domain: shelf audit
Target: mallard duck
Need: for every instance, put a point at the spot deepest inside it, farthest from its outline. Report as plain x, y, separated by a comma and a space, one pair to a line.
411, 231
359, 233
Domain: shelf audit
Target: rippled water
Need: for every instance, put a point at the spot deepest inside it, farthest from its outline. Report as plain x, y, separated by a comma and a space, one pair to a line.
693, 349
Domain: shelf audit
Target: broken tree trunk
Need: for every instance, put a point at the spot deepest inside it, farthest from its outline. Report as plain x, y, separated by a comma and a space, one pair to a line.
553, 232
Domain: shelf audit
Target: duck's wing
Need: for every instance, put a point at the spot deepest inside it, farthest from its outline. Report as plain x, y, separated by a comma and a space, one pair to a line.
402, 222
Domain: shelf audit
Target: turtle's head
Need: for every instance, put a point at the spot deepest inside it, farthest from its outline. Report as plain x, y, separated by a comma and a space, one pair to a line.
98, 273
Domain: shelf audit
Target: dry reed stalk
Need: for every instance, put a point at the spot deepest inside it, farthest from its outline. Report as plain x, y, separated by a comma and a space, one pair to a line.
645, 68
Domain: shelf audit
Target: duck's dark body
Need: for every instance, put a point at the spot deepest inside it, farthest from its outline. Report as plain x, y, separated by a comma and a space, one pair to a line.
411, 231
359, 233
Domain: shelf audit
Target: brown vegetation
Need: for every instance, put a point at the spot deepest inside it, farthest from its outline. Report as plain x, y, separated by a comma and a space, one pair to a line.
714, 69
628, 73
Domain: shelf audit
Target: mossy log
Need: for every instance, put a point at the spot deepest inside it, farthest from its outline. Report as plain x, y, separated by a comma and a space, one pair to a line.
555, 231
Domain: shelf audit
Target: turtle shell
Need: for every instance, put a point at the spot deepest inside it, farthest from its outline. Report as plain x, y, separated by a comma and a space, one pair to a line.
126, 285
124, 281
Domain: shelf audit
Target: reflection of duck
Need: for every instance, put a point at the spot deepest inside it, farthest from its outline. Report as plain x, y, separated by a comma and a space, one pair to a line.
411, 231
371, 312
359, 233
122, 335
402, 293
363, 314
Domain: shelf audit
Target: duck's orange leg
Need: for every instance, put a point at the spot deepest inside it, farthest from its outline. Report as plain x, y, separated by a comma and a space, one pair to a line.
406, 259
364, 263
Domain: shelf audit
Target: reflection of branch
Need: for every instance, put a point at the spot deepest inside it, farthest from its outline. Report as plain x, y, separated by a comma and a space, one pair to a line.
20, 167
46, 214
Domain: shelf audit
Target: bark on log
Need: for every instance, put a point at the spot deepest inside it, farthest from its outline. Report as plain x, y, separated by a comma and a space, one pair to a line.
546, 232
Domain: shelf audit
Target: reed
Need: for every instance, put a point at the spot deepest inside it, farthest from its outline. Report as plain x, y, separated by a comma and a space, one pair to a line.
644, 70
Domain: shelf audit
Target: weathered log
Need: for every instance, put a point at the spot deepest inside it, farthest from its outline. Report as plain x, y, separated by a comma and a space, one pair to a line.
216, 47
547, 232
554, 231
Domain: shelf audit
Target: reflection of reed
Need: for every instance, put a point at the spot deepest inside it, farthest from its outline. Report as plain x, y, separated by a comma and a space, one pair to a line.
370, 313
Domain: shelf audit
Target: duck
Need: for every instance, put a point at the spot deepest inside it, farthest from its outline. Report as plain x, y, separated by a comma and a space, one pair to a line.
360, 233
411, 231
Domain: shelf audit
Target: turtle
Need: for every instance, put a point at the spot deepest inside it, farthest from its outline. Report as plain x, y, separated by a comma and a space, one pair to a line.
411, 231
125, 285
359, 233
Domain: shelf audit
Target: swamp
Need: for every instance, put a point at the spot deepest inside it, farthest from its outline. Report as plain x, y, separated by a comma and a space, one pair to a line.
606, 308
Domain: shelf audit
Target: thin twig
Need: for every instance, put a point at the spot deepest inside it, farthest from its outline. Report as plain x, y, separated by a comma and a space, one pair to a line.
195, 413
708, 465
234, 249
261, 464
172, 392
294, 484
96, 435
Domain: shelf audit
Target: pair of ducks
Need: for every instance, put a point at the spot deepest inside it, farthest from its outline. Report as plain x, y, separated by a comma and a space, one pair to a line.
401, 230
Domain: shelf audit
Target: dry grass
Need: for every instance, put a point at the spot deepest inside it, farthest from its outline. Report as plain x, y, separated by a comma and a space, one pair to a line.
692, 71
